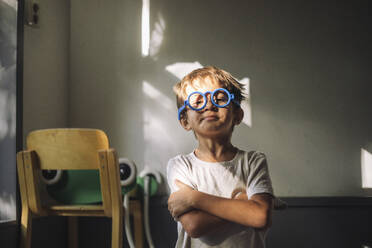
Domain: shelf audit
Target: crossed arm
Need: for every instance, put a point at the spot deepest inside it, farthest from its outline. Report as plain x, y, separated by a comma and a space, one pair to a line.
201, 213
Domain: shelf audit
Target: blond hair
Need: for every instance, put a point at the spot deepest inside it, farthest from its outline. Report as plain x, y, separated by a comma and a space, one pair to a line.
226, 80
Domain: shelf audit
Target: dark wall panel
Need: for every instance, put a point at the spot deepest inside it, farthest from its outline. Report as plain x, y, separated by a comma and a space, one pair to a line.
8, 235
306, 223
309, 227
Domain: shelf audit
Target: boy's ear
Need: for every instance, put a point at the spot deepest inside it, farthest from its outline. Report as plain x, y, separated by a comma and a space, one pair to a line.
239, 116
185, 123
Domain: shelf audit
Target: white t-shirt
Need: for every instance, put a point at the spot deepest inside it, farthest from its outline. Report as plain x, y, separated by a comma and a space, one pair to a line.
247, 171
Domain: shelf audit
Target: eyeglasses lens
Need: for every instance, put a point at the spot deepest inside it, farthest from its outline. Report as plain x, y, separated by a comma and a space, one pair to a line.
220, 98
196, 100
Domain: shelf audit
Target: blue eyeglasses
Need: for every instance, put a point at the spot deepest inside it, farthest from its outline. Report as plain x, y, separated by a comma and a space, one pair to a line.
197, 100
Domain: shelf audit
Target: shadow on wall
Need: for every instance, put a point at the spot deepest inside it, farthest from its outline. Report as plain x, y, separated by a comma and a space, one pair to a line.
8, 43
295, 80
298, 59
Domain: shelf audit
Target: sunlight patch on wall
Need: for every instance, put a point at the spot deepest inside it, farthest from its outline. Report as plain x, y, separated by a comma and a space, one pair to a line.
181, 69
158, 130
246, 104
7, 114
366, 159
7, 207
161, 99
157, 36
3, 114
145, 27
12, 113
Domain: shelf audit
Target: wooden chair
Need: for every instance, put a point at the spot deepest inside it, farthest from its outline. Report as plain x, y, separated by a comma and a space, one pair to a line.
69, 149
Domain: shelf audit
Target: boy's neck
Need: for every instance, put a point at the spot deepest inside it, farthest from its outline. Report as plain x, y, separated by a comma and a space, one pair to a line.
212, 151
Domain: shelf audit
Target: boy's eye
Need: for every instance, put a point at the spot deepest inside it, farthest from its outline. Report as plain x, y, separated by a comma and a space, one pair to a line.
198, 103
196, 100
221, 99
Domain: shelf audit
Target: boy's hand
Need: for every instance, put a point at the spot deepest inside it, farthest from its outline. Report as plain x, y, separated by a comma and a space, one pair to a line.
180, 202
239, 194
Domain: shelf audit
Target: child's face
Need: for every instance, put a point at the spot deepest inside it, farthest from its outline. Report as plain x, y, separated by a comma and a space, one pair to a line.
211, 121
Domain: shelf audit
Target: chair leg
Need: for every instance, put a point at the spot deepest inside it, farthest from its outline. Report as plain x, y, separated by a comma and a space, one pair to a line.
117, 228
26, 228
73, 229
136, 211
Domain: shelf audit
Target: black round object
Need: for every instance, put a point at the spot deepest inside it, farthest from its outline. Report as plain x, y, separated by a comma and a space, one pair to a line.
125, 171
49, 174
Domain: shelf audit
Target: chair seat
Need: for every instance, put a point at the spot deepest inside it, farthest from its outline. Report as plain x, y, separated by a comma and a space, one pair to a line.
76, 210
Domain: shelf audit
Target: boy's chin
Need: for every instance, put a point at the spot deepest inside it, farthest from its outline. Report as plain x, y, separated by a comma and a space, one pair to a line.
214, 127
214, 133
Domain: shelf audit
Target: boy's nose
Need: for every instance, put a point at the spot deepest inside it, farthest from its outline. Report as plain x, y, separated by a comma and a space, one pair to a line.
209, 104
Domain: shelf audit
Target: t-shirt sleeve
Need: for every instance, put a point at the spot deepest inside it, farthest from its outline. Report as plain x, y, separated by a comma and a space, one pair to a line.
177, 169
258, 179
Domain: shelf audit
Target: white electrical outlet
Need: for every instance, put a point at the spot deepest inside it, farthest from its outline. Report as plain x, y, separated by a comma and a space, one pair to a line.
32, 13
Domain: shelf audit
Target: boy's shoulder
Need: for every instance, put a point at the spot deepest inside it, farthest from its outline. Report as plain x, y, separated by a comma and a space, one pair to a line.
255, 157
255, 154
180, 159
250, 154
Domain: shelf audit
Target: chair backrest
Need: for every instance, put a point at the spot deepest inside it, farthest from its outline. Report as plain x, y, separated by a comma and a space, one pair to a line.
67, 149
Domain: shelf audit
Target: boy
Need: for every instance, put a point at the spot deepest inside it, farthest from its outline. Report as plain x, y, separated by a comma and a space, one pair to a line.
221, 196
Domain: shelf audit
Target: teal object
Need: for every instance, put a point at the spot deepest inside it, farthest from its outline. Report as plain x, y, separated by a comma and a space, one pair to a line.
80, 187
153, 185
